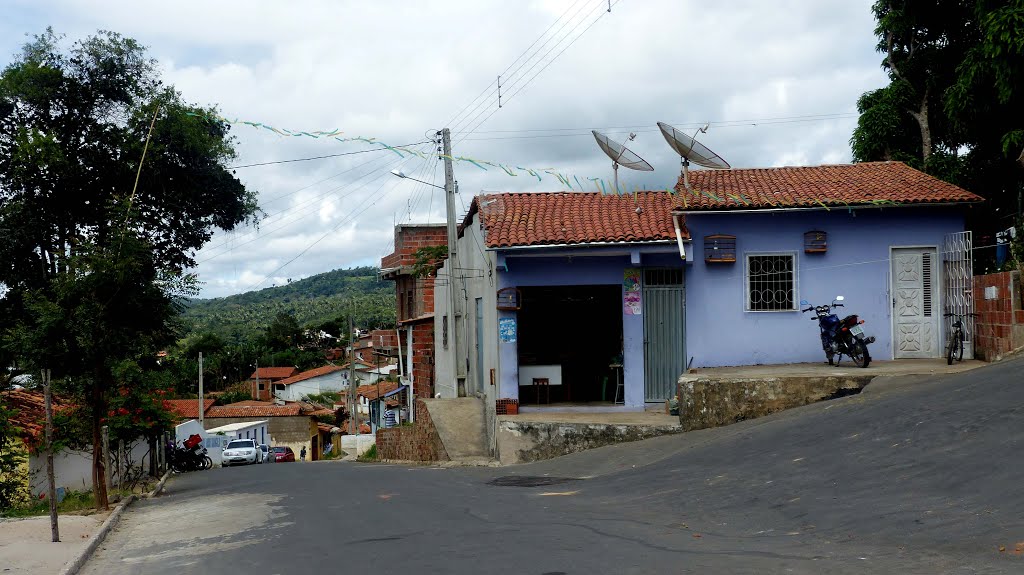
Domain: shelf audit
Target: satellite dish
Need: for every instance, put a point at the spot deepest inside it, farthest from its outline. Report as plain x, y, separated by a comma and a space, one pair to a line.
690, 150
621, 155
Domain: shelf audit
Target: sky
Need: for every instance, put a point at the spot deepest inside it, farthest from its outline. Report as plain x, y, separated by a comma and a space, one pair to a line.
777, 82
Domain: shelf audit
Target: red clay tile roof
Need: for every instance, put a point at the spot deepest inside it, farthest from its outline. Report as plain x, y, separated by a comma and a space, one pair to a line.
880, 183
29, 412
273, 373
254, 410
309, 374
369, 391
187, 408
250, 403
555, 218
325, 428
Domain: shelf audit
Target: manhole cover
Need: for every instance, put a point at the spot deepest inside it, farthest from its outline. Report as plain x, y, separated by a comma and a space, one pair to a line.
529, 481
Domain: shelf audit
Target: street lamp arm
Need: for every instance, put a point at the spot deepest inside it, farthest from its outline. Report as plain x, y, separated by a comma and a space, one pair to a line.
402, 175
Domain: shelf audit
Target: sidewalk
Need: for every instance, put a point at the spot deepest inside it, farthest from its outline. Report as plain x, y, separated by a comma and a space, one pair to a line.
25, 545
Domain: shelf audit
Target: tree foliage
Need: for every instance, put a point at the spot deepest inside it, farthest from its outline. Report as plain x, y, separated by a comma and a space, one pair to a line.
97, 265
954, 106
11, 457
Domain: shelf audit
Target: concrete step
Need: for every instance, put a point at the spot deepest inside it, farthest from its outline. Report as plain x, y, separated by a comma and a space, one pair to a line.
460, 426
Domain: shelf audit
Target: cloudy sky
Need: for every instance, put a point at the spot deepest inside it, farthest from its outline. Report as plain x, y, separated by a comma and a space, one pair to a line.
777, 81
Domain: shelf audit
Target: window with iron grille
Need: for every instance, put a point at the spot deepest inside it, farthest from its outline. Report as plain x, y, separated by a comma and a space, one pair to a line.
771, 282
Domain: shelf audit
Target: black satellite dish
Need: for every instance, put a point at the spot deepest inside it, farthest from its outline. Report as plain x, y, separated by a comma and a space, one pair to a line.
690, 150
621, 155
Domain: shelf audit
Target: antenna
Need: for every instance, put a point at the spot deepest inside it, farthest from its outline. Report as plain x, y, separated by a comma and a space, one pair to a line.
621, 156
689, 150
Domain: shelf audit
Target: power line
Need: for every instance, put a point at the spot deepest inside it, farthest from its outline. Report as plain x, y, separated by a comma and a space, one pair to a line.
322, 157
679, 124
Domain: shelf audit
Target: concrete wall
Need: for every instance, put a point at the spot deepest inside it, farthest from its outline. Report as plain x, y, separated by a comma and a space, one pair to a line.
418, 442
999, 303
526, 441
706, 402
72, 469
721, 333
288, 431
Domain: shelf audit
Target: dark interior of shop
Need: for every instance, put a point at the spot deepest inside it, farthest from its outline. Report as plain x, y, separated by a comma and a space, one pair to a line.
577, 327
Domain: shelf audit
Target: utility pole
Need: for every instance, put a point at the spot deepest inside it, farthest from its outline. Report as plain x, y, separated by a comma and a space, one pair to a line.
201, 390
353, 414
51, 484
449, 193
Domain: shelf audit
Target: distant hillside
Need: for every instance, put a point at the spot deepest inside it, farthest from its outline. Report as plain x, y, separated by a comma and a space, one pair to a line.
312, 301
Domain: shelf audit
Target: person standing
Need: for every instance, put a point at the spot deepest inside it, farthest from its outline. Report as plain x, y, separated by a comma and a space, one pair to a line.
389, 418
302, 453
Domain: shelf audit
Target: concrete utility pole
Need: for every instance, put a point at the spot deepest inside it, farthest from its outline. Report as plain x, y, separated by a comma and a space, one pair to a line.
353, 414
51, 483
201, 389
449, 193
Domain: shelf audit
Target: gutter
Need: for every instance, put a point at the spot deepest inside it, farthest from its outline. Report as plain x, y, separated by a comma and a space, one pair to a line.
586, 245
820, 208
679, 236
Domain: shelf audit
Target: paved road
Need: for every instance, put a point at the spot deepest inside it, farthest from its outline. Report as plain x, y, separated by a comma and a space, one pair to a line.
923, 477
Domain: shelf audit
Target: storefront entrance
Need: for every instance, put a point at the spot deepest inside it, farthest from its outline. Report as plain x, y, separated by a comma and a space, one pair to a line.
568, 337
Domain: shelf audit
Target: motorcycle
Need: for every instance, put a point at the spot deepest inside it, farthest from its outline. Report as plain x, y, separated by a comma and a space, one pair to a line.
189, 457
841, 337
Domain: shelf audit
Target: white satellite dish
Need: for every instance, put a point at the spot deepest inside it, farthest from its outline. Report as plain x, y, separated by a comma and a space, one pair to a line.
690, 150
621, 155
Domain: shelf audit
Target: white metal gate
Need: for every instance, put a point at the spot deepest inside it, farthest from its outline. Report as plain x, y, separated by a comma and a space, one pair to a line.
915, 315
958, 282
664, 305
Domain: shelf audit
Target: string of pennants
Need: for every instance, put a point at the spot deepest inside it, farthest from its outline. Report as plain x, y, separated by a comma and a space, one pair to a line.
599, 183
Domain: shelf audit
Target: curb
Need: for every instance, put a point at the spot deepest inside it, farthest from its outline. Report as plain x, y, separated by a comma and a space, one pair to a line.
159, 486
72, 567
441, 464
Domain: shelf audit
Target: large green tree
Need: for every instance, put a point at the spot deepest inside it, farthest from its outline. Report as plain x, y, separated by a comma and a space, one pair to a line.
96, 240
954, 105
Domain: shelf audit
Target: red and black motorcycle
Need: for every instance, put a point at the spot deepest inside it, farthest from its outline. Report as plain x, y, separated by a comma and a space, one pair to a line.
841, 337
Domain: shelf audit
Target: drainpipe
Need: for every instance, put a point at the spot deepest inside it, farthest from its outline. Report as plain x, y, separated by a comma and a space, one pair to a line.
679, 236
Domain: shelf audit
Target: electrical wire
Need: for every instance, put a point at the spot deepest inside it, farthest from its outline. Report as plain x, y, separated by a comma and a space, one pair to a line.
323, 157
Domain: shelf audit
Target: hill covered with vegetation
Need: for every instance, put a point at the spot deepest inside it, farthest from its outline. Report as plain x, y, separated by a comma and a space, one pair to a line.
323, 300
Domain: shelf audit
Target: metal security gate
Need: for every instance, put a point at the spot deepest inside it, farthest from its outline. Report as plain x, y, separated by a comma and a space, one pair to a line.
958, 282
664, 309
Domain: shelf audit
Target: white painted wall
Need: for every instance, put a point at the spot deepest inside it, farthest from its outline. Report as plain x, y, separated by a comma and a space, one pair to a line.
334, 381
72, 469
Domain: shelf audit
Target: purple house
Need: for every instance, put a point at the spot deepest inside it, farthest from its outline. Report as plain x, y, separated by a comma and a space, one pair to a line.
600, 301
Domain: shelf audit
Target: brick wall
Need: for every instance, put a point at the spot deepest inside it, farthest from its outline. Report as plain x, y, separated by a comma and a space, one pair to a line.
408, 239
999, 327
423, 359
419, 442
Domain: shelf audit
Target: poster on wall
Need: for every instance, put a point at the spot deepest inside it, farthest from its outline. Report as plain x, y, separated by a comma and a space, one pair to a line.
631, 292
507, 329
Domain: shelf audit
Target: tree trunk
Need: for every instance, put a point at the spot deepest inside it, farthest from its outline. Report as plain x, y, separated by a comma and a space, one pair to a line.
99, 476
926, 131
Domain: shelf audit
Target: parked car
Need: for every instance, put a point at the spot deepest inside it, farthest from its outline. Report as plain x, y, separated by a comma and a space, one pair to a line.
268, 456
241, 451
284, 454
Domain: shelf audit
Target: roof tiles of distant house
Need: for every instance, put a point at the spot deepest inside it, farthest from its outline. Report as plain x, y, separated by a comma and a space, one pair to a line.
370, 390
866, 183
273, 373
30, 412
309, 374
187, 408
565, 218
251, 403
291, 409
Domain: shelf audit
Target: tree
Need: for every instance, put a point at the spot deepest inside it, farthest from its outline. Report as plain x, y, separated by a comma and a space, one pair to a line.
11, 458
96, 264
954, 106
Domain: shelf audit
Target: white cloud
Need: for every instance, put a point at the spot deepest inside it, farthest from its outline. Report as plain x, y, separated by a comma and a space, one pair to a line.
395, 70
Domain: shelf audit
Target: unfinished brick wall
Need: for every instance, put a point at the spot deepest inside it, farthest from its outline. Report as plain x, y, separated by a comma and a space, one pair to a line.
408, 239
419, 442
423, 359
999, 327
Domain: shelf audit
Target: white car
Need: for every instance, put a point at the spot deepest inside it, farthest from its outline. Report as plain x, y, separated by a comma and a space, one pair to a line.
241, 451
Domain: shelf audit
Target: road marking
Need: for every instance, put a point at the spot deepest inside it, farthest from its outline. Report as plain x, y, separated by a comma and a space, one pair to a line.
558, 493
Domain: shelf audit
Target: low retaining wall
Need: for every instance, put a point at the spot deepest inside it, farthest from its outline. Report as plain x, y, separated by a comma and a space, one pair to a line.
418, 442
999, 327
526, 441
713, 402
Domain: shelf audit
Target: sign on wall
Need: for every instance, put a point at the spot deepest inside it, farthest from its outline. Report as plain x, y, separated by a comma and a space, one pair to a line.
631, 292
507, 329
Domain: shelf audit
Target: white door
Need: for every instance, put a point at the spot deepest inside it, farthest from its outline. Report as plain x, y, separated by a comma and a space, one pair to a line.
915, 305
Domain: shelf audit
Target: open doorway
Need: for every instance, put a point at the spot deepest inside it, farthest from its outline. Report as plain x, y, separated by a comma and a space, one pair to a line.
569, 336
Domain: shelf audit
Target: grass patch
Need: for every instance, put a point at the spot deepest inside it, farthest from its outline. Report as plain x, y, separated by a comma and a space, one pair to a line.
369, 455
74, 503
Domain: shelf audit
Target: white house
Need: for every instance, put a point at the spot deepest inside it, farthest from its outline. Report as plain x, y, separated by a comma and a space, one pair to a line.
319, 380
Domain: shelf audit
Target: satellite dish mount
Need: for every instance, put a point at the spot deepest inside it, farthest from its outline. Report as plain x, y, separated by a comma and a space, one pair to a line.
621, 155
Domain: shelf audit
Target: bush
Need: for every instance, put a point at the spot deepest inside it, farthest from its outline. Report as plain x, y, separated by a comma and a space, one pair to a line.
370, 454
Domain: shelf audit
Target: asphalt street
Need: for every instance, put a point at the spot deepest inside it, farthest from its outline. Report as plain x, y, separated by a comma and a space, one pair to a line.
918, 476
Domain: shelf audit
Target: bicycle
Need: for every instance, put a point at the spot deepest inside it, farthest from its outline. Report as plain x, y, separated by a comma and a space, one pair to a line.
955, 347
